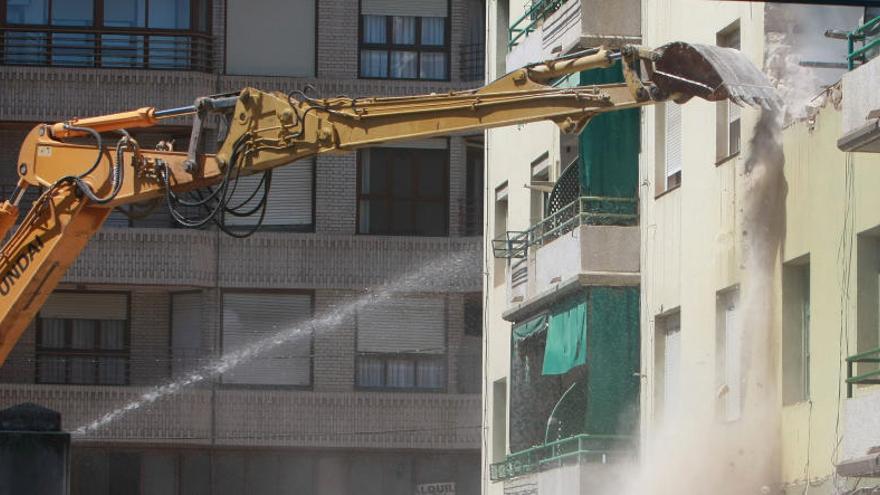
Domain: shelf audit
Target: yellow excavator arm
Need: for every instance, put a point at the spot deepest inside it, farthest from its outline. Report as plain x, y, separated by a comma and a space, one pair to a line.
83, 183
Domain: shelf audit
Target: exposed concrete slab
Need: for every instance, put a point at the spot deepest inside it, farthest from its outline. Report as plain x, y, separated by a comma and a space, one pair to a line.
860, 95
861, 424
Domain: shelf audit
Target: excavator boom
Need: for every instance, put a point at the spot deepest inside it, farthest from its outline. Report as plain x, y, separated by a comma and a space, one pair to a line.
83, 183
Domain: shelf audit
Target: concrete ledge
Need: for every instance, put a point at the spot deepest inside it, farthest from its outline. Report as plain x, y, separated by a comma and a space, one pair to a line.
546, 298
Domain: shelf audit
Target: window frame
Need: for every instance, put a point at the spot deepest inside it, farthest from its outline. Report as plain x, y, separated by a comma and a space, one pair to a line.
389, 198
414, 358
258, 386
418, 48
67, 351
729, 37
97, 30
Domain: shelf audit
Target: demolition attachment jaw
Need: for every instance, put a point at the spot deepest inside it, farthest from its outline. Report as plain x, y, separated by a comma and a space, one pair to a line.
684, 70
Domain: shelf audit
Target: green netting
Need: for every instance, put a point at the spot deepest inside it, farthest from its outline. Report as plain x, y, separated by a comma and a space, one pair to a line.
566, 338
609, 145
599, 398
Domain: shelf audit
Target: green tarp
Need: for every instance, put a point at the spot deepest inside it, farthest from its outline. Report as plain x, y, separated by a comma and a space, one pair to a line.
524, 330
566, 345
609, 145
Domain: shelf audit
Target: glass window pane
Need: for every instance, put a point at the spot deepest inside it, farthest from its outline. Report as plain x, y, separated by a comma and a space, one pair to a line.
431, 373
433, 65
431, 219
72, 49
431, 180
118, 50
82, 370
402, 217
72, 13
51, 333
403, 65
378, 217
433, 31
51, 369
26, 48
112, 335
403, 30
401, 373
374, 173
375, 29
83, 334
125, 13
374, 63
27, 11
402, 176
370, 372
169, 14
111, 371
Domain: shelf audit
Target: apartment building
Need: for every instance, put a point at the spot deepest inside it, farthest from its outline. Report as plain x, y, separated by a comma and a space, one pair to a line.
385, 402
676, 321
562, 258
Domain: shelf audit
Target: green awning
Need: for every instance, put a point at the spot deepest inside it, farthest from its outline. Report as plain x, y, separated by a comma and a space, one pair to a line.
566, 345
525, 329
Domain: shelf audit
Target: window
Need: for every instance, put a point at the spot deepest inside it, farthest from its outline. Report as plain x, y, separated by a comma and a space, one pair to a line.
473, 315
868, 297
166, 34
404, 41
540, 188
186, 331
668, 365
669, 140
473, 214
290, 204
500, 231
727, 114
83, 338
403, 191
795, 332
730, 355
249, 317
401, 344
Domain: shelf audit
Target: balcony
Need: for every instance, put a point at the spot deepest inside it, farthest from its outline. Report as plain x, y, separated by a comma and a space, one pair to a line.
861, 424
592, 239
253, 417
181, 257
106, 48
549, 28
576, 450
860, 130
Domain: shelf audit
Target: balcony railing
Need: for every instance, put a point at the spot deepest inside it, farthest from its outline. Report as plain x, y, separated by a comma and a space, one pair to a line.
472, 62
586, 210
580, 448
867, 377
537, 11
868, 36
106, 47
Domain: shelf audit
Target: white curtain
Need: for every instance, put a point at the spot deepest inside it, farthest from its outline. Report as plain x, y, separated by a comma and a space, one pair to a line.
431, 374
371, 372
82, 370
374, 29
400, 373
52, 333
52, 369
111, 371
404, 30
403, 65
433, 65
112, 335
374, 63
83, 336
433, 31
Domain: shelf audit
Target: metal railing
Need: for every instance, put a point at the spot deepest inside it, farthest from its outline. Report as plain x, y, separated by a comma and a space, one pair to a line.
106, 47
579, 448
868, 35
586, 210
537, 11
868, 377
472, 62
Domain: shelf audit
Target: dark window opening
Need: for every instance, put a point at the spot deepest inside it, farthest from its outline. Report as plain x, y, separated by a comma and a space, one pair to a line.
403, 191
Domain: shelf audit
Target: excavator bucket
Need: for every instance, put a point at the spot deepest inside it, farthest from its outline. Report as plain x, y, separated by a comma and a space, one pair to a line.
685, 70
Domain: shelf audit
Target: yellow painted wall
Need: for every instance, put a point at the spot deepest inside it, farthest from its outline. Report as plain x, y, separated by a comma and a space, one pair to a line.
816, 204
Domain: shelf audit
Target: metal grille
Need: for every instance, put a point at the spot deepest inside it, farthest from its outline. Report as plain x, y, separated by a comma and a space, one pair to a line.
566, 190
